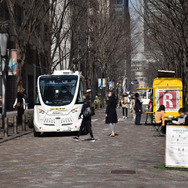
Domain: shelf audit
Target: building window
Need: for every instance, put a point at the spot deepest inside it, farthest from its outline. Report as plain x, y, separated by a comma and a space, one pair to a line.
18, 14
4, 11
119, 1
119, 9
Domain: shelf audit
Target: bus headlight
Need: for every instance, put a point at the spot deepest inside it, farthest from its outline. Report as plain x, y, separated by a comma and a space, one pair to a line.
41, 111
74, 110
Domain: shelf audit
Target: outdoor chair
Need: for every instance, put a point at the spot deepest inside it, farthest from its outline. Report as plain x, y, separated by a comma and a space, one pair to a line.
157, 128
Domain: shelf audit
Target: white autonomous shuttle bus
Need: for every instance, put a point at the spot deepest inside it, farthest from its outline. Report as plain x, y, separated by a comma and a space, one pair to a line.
59, 102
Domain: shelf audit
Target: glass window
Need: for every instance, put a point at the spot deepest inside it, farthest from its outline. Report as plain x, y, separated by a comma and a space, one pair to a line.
119, 1
81, 91
58, 90
37, 102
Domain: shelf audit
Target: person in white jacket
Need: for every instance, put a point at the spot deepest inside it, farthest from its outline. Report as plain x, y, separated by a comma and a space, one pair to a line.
20, 105
125, 105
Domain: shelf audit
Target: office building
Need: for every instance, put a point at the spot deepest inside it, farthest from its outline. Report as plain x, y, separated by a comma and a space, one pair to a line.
37, 49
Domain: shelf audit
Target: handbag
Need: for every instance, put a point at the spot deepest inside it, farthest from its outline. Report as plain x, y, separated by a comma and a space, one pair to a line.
87, 112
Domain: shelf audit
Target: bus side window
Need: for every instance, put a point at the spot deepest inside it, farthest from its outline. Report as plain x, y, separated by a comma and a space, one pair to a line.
80, 99
37, 102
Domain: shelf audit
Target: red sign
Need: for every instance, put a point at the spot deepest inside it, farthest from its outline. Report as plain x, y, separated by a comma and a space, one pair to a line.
168, 98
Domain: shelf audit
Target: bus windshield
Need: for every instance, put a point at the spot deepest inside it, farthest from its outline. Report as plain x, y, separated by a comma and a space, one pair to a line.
58, 90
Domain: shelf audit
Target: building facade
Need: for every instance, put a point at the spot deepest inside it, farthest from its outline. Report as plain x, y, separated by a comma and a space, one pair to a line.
141, 58
121, 7
36, 48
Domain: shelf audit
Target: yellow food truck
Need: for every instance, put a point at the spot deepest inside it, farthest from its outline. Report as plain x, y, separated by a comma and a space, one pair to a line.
168, 91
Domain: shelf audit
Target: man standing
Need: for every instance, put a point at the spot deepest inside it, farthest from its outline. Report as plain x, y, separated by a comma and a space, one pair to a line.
138, 109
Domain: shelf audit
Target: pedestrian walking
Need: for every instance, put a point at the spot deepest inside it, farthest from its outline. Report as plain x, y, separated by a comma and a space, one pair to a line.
132, 105
86, 114
111, 114
138, 109
20, 105
120, 101
125, 105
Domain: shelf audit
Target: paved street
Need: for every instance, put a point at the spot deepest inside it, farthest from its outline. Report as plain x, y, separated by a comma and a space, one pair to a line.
58, 161
11, 134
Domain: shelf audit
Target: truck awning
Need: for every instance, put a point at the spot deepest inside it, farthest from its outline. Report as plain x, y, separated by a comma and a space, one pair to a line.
144, 88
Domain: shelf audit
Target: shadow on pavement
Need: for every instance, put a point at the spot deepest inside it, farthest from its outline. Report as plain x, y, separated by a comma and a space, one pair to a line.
59, 134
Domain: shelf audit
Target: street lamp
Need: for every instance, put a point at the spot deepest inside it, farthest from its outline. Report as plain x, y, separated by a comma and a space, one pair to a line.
3, 50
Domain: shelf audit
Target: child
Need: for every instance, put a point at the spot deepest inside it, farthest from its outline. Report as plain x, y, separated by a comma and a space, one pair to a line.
181, 118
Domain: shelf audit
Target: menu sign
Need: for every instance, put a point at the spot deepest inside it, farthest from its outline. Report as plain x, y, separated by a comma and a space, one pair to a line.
176, 154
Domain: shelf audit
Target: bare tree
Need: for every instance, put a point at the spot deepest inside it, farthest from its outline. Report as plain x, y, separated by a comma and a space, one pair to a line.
61, 25
26, 19
106, 39
166, 32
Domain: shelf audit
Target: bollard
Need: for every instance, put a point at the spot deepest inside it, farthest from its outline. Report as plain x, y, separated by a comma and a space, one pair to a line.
15, 128
5, 127
23, 123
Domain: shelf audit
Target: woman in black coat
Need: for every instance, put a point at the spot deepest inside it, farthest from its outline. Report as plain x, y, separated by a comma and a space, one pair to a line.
111, 114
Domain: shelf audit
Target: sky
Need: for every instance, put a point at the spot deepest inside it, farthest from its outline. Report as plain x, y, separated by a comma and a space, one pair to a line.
134, 4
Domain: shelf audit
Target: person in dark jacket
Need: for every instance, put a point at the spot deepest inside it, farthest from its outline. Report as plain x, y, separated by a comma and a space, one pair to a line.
111, 114
138, 109
86, 123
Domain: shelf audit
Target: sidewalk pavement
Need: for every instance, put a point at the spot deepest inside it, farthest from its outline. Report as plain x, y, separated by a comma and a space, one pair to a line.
20, 133
56, 160
29, 113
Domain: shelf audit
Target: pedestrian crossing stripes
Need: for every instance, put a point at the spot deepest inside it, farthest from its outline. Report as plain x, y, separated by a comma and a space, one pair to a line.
93, 120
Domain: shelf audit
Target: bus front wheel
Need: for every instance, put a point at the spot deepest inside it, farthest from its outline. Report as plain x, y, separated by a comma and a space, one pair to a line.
36, 134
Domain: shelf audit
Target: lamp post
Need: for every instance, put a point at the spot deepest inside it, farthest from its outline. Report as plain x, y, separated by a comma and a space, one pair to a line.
3, 50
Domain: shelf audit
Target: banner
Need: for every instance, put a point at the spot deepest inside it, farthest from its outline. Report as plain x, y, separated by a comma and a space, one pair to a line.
111, 85
169, 98
12, 65
176, 154
104, 82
